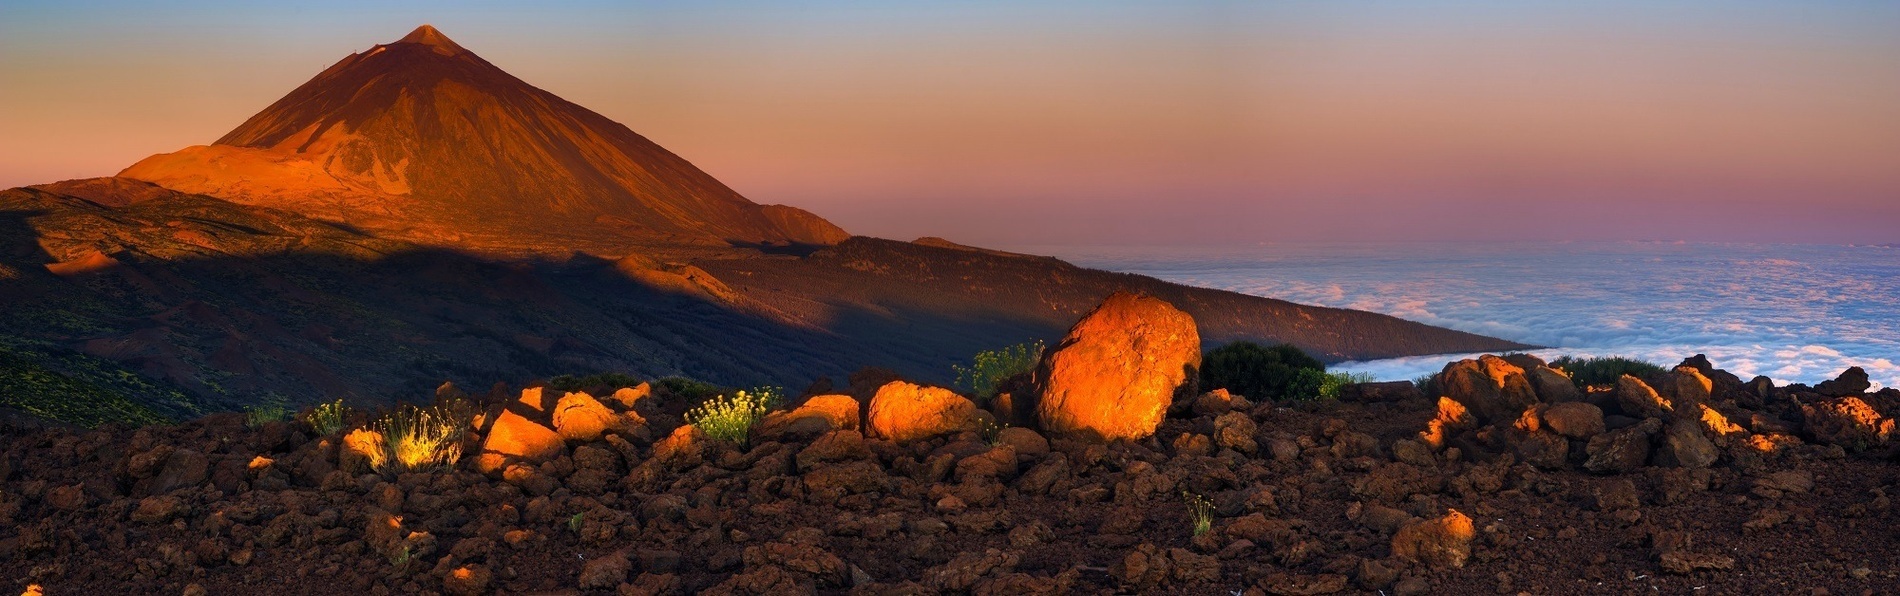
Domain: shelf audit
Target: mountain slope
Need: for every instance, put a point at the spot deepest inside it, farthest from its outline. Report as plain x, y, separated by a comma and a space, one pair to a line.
423, 140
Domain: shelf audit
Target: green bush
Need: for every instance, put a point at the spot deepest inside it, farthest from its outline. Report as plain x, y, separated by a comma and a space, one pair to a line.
1254, 371
257, 416
1603, 371
1329, 388
608, 381
691, 390
1427, 384
731, 418
990, 367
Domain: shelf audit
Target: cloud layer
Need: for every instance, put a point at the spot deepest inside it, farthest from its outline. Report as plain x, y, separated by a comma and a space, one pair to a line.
1796, 313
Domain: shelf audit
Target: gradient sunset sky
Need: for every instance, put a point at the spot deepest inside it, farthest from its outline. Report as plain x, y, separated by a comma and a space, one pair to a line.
1024, 123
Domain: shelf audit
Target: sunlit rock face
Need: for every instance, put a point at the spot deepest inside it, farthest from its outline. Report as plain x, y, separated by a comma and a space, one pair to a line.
1118, 369
423, 140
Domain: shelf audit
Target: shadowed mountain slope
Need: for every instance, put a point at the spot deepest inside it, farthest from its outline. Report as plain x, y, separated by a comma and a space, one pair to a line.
233, 305
423, 140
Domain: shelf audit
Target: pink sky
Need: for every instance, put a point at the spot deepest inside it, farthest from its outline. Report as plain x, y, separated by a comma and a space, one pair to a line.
1005, 125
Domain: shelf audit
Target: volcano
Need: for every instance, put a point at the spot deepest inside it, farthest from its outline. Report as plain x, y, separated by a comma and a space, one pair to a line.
425, 141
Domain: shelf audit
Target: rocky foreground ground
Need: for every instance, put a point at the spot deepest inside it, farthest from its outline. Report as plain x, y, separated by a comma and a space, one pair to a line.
1514, 481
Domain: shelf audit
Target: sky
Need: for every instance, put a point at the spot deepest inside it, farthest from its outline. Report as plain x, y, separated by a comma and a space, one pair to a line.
1048, 123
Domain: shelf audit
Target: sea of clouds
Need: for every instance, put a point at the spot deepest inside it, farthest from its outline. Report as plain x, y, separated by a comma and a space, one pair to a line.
1796, 313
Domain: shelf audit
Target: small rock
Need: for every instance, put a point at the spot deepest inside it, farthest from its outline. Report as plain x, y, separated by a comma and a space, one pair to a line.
606, 571
1443, 543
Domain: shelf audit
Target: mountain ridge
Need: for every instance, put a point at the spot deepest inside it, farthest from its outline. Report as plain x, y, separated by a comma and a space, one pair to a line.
424, 140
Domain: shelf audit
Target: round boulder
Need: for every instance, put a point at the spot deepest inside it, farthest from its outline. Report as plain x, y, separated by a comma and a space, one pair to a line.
903, 411
1117, 371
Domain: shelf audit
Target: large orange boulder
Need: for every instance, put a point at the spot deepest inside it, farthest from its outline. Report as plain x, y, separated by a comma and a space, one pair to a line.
580, 418
515, 438
1115, 373
818, 415
902, 411
1493, 388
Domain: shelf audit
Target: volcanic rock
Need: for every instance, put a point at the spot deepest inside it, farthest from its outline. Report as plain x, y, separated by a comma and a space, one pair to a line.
1622, 450
580, 418
1552, 385
1443, 543
1115, 373
1685, 445
514, 437
1577, 420
1639, 400
819, 415
1848, 422
1852, 382
1493, 389
902, 411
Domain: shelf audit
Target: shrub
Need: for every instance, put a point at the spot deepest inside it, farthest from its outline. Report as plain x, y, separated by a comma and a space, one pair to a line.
1248, 369
990, 367
256, 416
422, 438
689, 389
1427, 384
1605, 370
594, 382
327, 418
1329, 388
990, 431
1200, 512
732, 418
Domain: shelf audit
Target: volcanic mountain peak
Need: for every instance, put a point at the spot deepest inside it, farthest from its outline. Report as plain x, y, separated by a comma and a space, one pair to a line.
422, 140
428, 35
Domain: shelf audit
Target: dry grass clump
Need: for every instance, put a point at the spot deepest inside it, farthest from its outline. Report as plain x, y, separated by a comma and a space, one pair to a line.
416, 439
258, 416
1200, 512
327, 418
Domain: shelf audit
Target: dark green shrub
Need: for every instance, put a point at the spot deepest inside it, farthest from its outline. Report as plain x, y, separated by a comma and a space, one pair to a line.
1254, 371
1603, 371
603, 382
688, 388
990, 367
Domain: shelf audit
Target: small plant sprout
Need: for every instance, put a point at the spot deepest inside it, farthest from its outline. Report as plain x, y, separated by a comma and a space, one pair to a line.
327, 418
990, 367
731, 418
574, 523
257, 416
421, 438
990, 431
400, 559
1200, 511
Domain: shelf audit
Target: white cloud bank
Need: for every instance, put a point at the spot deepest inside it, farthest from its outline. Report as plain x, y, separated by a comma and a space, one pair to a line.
1796, 313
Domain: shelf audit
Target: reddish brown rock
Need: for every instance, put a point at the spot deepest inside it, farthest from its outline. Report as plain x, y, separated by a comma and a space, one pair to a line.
1451, 419
818, 415
1848, 422
1493, 389
1116, 372
628, 397
516, 438
1621, 450
580, 418
1552, 385
1852, 382
1639, 400
1443, 543
903, 412
606, 571
467, 580
1574, 419
363, 451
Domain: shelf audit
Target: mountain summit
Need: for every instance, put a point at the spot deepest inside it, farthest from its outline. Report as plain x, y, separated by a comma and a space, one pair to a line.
423, 140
